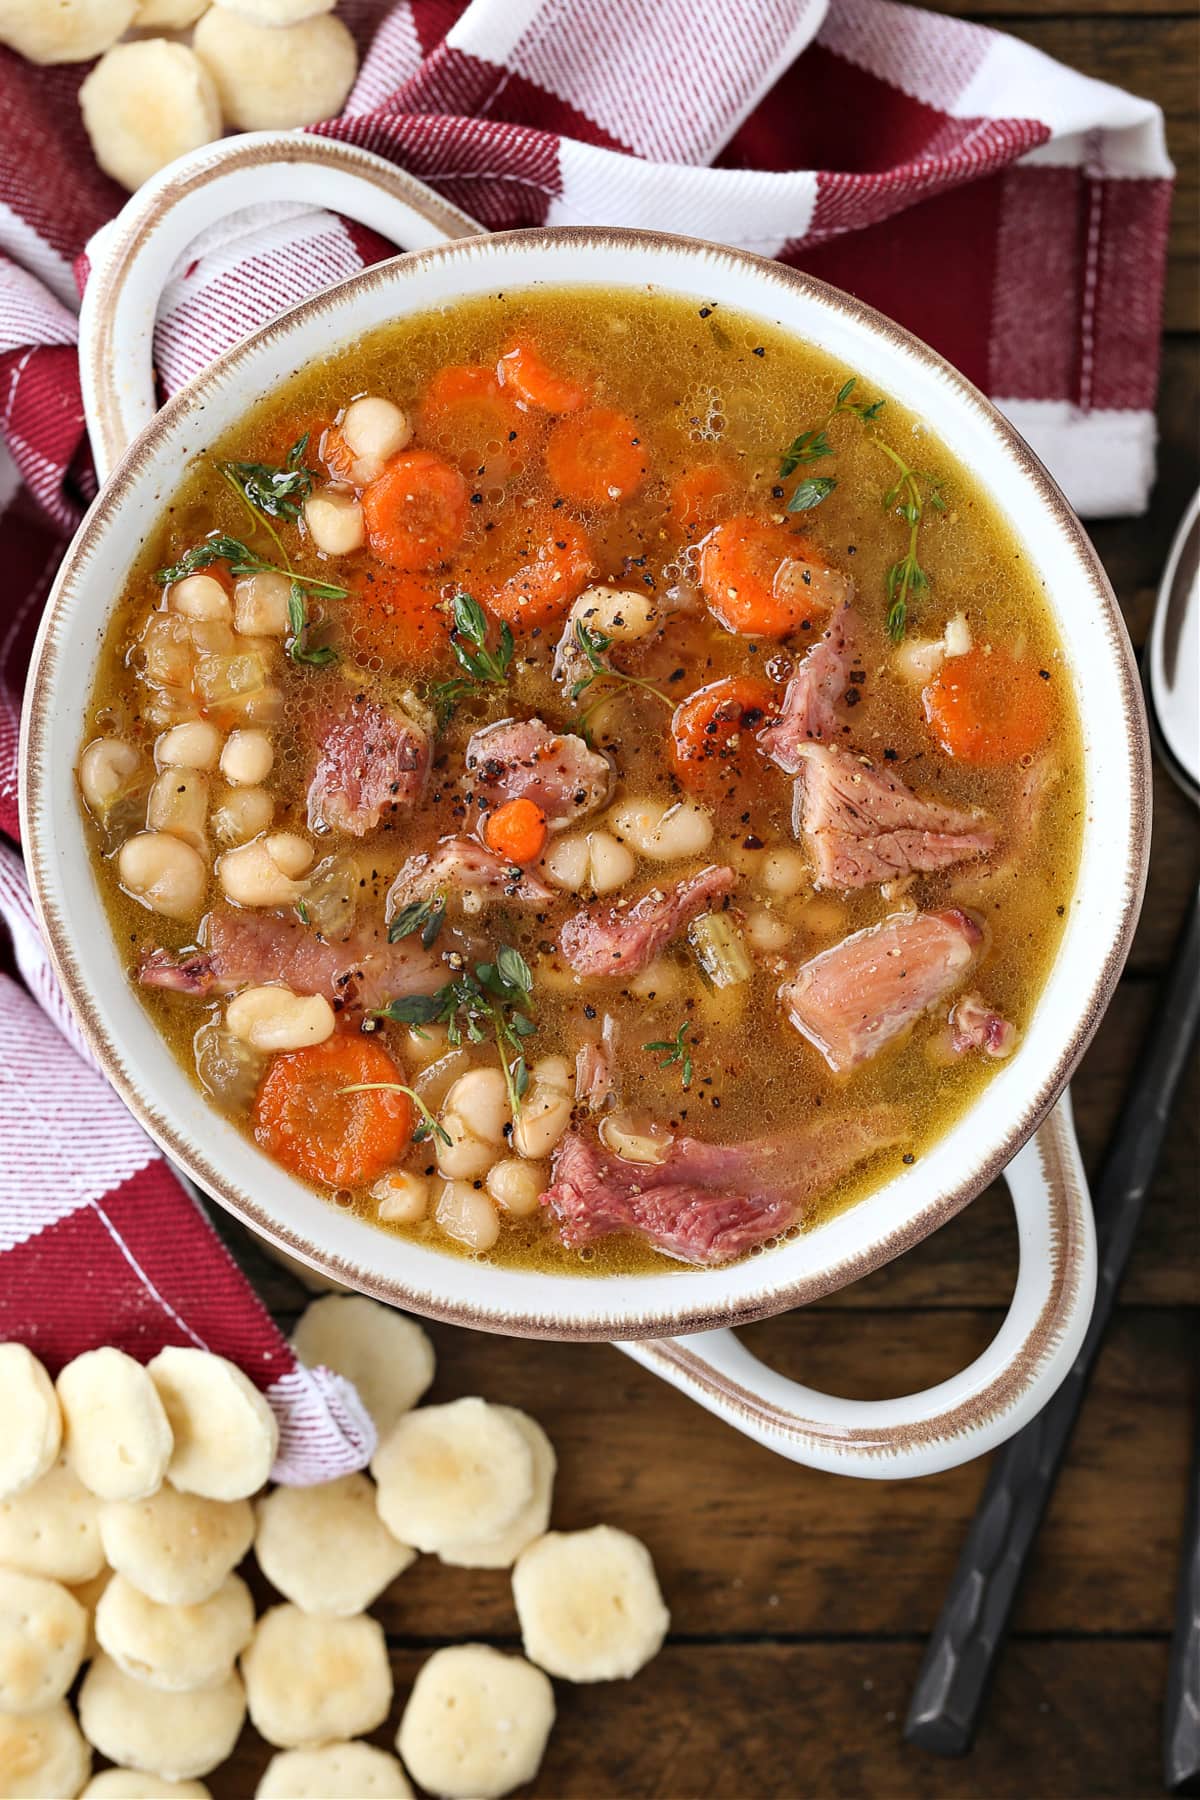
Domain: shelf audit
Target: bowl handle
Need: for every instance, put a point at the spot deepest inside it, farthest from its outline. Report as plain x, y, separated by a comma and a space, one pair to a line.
960, 1418
135, 255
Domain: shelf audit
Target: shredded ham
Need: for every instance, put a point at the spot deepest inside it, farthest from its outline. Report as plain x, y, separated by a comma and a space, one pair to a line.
705, 1203
863, 994
621, 939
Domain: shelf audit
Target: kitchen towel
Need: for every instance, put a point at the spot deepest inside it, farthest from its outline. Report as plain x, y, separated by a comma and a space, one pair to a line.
1008, 210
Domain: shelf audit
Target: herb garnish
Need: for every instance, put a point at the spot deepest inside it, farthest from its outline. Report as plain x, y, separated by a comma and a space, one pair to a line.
298, 646
812, 445
907, 577
427, 1125
280, 493
242, 561
425, 916
469, 644
595, 646
912, 491
677, 1051
491, 1000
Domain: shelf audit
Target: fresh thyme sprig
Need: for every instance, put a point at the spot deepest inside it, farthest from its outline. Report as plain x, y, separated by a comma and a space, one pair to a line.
494, 999
425, 916
242, 561
469, 644
595, 645
814, 444
907, 577
279, 493
317, 656
911, 492
427, 1125
677, 1051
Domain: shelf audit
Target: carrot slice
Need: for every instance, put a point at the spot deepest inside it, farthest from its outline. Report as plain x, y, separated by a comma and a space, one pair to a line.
469, 416
989, 707
304, 1120
517, 830
596, 457
712, 731
551, 572
699, 498
397, 616
416, 511
523, 368
762, 580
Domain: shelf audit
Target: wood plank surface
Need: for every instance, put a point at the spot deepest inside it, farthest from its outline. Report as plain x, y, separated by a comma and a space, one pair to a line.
822, 1719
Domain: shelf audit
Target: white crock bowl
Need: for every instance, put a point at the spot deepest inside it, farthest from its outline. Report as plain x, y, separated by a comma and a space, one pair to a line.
1055, 1285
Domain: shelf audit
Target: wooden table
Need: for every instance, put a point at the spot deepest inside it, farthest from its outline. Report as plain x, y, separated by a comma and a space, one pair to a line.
800, 1602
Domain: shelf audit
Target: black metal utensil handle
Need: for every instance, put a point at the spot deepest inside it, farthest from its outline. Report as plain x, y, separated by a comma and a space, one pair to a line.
959, 1660
1181, 1714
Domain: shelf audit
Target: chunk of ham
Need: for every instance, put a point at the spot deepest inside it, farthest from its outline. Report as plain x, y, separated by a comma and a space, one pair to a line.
706, 1203
823, 682
595, 1068
974, 1025
192, 974
248, 948
863, 994
372, 761
863, 825
621, 939
457, 864
523, 759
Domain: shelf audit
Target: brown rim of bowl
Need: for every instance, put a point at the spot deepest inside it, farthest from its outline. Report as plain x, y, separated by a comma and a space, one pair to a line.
695, 1318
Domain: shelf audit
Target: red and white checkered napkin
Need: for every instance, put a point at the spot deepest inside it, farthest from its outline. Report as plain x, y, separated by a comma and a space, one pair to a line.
1009, 211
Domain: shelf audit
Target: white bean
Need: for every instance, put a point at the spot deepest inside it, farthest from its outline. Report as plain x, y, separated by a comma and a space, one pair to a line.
517, 1186
546, 1108
401, 1198
178, 803
106, 771
610, 864
163, 873
247, 758
634, 1142
660, 980
200, 597
766, 931
273, 1018
622, 614
467, 1216
784, 873
663, 833
263, 872
241, 814
375, 428
566, 862
260, 604
196, 744
474, 1115
335, 521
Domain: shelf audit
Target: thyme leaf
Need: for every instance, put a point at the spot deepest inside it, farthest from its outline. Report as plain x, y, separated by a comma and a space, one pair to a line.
493, 1000
425, 916
676, 1051
468, 641
595, 646
242, 561
810, 493
280, 493
910, 494
317, 656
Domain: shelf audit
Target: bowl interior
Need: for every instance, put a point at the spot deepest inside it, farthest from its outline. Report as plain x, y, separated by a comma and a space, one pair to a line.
897, 1213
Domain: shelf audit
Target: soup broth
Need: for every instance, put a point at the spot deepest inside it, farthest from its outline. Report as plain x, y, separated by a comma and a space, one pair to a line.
632, 916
